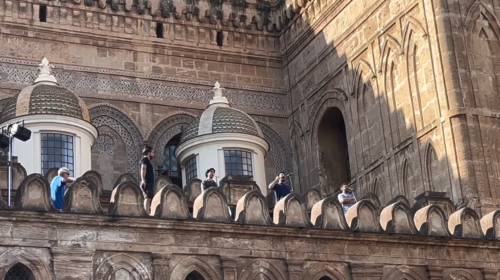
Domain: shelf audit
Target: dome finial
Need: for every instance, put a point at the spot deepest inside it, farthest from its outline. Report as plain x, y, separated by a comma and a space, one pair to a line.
45, 75
218, 98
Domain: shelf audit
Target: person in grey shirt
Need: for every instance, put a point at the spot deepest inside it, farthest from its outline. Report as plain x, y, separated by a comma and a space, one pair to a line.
346, 197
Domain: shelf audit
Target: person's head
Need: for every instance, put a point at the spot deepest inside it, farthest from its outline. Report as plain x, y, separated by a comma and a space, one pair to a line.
210, 173
63, 172
345, 188
282, 177
147, 151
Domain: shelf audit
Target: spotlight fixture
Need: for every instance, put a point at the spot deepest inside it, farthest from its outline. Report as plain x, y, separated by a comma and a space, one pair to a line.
4, 141
20, 132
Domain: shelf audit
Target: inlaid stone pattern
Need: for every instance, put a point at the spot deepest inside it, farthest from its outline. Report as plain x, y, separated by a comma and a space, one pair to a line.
105, 144
125, 127
148, 88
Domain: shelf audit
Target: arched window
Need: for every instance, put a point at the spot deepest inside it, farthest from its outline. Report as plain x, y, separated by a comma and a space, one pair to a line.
194, 276
325, 278
333, 150
171, 166
19, 272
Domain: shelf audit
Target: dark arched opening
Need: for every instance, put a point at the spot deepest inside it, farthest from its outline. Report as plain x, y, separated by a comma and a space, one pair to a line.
325, 278
19, 272
194, 276
171, 167
333, 151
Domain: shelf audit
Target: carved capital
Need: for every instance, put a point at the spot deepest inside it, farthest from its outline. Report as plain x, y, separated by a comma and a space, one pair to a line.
435, 272
161, 265
360, 271
229, 267
295, 268
490, 273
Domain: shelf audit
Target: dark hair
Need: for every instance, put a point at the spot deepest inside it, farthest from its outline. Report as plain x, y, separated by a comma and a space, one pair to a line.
208, 170
281, 172
146, 150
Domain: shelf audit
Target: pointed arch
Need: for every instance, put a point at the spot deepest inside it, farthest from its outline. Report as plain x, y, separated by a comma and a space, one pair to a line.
114, 118
322, 270
30, 259
122, 261
407, 175
252, 270
431, 165
460, 274
390, 69
389, 43
403, 272
279, 149
166, 129
186, 266
412, 24
483, 45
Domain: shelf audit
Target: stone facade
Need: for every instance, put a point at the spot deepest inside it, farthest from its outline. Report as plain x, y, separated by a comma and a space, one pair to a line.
303, 240
400, 98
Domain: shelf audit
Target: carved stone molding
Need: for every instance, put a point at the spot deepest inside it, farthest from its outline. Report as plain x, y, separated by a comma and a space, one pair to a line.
104, 115
149, 86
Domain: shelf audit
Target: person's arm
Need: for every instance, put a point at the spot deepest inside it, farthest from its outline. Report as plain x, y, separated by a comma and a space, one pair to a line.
273, 183
143, 174
343, 200
68, 180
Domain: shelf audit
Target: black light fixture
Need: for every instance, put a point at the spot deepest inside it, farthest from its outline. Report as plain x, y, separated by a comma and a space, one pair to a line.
20, 132
4, 141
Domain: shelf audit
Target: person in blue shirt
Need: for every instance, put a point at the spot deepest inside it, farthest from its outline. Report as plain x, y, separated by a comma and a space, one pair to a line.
58, 187
346, 197
278, 185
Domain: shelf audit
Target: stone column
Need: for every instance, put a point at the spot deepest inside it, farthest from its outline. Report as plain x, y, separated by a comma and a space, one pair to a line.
229, 268
360, 271
295, 268
435, 272
490, 273
161, 265
73, 263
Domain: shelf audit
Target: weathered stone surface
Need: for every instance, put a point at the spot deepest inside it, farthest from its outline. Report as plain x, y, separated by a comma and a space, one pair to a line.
170, 203
397, 218
490, 225
127, 199
34, 194
96, 178
431, 220
291, 211
328, 214
252, 209
311, 197
465, 223
125, 177
83, 197
49, 175
363, 216
192, 190
161, 182
211, 205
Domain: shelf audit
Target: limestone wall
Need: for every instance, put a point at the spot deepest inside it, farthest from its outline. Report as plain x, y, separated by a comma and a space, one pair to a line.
397, 72
370, 242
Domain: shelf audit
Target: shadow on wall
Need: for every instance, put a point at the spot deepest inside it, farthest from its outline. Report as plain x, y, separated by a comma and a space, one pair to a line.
366, 104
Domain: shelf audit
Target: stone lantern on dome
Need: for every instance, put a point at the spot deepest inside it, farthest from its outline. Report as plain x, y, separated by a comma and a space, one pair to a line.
62, 134
226, 139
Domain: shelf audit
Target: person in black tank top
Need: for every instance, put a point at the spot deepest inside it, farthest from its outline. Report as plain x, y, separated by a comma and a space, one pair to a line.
147, 177
209, 182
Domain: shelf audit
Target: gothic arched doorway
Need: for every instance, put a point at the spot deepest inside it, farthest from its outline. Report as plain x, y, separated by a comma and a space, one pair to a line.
333, 150
19, 272
171, 167
194, 276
